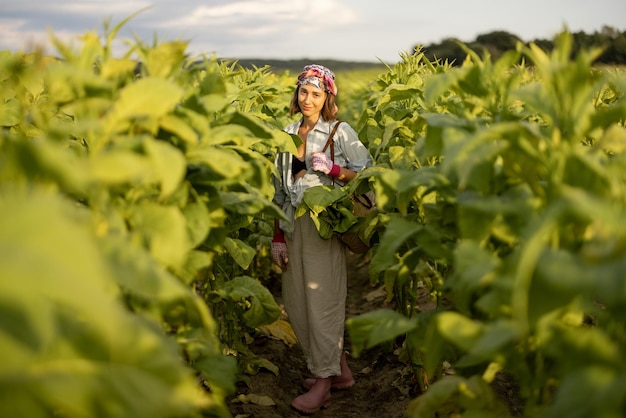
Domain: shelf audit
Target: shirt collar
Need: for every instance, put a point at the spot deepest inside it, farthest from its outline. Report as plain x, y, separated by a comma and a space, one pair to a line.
322, 125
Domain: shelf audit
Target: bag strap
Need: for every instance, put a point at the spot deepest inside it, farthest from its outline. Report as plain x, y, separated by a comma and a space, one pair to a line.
331, 142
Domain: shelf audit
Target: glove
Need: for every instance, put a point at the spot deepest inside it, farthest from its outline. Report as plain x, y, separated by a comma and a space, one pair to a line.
320, 162
280, 255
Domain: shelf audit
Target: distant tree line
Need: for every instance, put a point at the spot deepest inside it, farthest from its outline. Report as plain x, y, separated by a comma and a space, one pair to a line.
611, 40
296, 65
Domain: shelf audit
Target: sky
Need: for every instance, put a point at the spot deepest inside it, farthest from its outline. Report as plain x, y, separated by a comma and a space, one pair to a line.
347, 30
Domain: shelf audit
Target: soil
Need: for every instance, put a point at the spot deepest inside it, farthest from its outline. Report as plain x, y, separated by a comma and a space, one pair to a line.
383, 384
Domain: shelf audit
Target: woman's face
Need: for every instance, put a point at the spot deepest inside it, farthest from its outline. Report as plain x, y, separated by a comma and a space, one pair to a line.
311, 100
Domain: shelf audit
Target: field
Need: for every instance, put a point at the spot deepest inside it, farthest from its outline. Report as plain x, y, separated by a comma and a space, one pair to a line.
136, 218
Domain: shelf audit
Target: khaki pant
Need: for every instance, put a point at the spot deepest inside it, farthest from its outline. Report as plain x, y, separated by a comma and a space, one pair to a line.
314, 288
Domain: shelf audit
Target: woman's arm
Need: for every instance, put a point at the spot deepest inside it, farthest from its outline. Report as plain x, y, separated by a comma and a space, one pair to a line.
345, 174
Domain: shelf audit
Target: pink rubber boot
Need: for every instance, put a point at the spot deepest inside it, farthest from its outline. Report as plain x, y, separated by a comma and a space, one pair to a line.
317, 397
343, 381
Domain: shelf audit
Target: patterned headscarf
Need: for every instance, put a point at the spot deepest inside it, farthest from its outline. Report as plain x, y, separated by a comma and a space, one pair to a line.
319, 76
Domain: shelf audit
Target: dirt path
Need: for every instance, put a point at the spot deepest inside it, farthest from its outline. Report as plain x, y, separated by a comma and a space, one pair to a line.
382, 388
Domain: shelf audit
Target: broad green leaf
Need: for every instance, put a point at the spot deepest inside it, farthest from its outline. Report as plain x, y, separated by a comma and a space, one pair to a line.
474, 271
46, 161
582, 171
318, 198
460, 330
472, 81
179, 127
613, 139
198, 222
218, 371
257, 303
120, 166
166, 58
248, 203
241, 252
10, 112
196, 262
223, 163
504, 217
397, 92
398, 231
591, 391
254, 126
559, 279
493, 343
377, 327
473, 396
436, 86
60, 293
169, 165
148, 98
164, 230
139, 274
116, 69
214, 103
589, 346
445, 120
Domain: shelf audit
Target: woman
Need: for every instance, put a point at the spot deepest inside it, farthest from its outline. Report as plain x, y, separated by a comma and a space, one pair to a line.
314, 282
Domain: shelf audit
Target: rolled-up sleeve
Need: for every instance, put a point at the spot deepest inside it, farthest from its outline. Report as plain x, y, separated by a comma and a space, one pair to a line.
353, 154
279, 192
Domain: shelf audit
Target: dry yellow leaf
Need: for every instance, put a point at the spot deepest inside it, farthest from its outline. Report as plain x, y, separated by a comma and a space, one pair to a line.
282, 330
253, 398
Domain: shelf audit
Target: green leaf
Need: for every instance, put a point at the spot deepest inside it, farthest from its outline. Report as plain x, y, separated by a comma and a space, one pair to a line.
473, 273
120, 166
223, 163
258, 304
241, 252
218, 370
373, 328
196, 262
169, 165
44, 160
198, 222
318, 198
438, 85
398, 231
69, 345
10, 112
459, 330
148, 98
165, 58
396, 92
164, 230
179, 127
493, 344
473, 396
248, 203
592, 391
583, 172
501, 216
254, 126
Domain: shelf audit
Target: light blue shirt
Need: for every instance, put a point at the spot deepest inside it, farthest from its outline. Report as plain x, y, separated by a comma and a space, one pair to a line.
349, 153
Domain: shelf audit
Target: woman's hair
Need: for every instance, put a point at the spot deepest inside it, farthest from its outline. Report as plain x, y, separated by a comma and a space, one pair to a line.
329, 111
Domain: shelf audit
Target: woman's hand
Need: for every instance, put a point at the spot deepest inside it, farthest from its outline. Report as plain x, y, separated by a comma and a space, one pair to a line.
280, 254
321, 162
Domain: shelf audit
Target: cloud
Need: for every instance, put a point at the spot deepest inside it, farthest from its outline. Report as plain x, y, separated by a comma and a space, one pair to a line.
306, 14
257, 27
99, 8
289, 29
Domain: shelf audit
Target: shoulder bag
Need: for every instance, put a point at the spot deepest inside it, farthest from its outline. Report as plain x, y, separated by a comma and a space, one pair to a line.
363, 204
